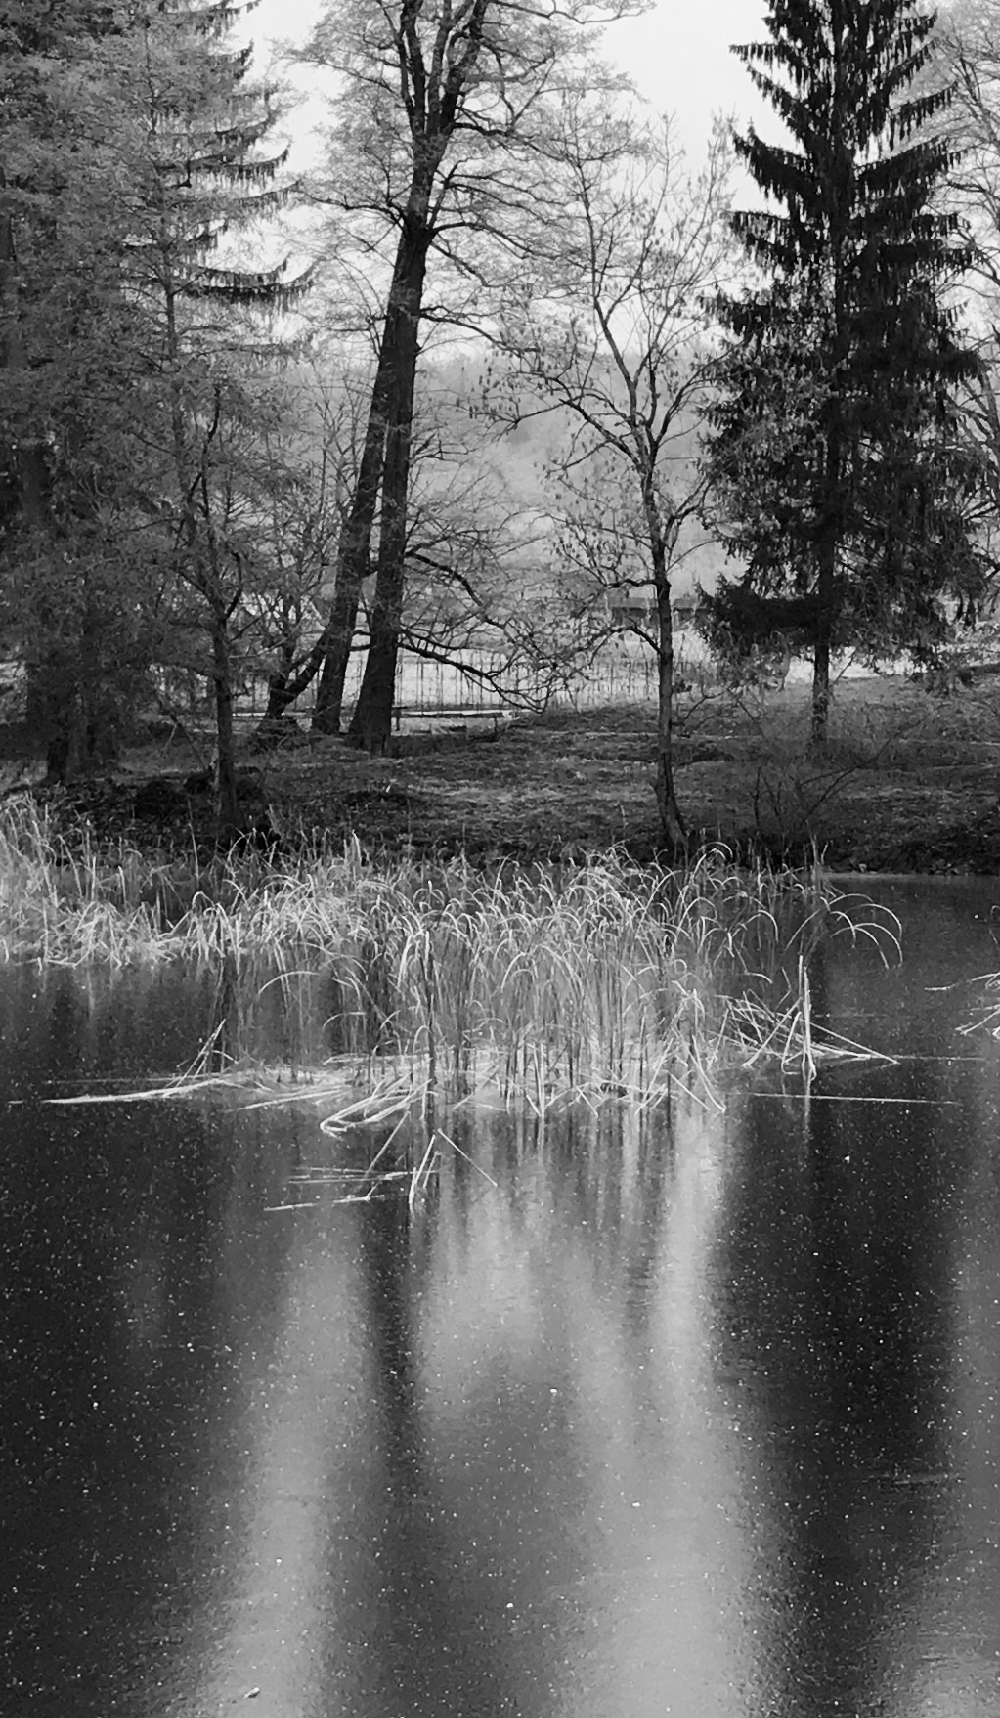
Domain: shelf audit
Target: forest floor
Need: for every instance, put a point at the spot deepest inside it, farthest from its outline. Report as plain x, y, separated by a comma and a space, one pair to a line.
910, 782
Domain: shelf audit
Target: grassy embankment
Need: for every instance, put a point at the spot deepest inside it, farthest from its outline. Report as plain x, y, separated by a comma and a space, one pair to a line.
540, 981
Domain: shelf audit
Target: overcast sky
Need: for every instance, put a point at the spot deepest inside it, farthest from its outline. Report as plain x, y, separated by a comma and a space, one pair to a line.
678, 55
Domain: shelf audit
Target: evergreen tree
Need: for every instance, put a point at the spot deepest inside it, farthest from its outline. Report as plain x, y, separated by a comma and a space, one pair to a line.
137, 339
199, 129
833, 453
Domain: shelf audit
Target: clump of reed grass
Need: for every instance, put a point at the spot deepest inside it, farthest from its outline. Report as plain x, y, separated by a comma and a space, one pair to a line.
542, 980
74, 904
604, 978
67, 905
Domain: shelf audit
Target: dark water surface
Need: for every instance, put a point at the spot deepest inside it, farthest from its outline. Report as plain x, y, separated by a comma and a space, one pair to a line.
692, 1415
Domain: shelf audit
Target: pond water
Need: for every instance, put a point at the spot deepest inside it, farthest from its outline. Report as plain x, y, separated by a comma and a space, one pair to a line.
692, 1414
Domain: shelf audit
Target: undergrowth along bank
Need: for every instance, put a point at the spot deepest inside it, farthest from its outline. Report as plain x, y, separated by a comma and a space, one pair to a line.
598, 978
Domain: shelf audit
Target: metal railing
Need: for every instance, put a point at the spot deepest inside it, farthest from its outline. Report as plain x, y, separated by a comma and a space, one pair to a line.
479, 684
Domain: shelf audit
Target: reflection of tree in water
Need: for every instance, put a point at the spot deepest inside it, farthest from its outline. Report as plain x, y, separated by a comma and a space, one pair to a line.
429, 1648
609, 1172
476, 1518
832, 1313
620, 1164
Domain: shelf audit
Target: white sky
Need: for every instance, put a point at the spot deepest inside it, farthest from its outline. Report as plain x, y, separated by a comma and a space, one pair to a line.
678, 55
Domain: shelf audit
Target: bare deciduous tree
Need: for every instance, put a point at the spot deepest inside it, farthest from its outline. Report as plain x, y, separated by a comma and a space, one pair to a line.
612, 333
442, 112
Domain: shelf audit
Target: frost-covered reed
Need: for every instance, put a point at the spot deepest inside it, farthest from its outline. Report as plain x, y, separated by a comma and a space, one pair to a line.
604, 977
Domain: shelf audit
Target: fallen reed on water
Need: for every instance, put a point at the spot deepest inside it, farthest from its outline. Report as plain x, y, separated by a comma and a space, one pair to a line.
540, 980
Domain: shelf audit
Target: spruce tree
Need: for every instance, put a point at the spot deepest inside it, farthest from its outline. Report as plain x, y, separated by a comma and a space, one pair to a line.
200, 127
832, 446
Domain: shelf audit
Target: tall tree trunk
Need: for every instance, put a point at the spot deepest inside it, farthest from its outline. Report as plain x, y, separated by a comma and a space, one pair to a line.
671, 821
371, 724
834, 502
279, 696
338, 635
372, 721
826, 591
434, 93
222, 672
662, 540
819, 719
283, 687
53, 707
53, 703
354, 548
204, 575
